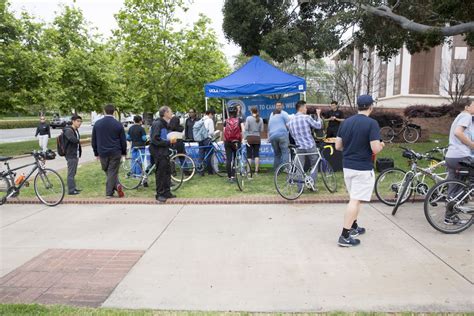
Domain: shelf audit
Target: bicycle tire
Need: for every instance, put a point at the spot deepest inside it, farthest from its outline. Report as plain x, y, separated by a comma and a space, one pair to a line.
218, 161
242, 171
187, 165
52, 181
130, 173
291, 177
5, 184
387, 134
394, 187
177, 175
328, 175
405, 185
435, 213
411, 135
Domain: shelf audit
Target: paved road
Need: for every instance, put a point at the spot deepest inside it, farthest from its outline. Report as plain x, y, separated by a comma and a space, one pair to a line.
256, 257
56, 164
24, 134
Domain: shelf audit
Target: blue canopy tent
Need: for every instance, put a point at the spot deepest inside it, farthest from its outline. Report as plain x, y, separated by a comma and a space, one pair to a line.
256, 77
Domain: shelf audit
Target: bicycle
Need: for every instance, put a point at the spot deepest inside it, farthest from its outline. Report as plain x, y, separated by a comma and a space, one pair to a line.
410, 131
290, 179
47, 184
241, 165
403, 184
214, 155
452, 213
136, 172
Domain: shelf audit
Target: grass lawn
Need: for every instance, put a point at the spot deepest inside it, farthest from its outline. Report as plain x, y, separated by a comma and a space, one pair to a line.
20, 148
55, 310
91, 179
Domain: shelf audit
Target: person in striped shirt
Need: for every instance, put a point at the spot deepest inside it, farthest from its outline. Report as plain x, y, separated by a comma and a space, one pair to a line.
300, 129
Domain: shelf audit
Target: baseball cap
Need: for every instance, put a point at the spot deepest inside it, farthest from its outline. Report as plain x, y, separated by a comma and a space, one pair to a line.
364, 101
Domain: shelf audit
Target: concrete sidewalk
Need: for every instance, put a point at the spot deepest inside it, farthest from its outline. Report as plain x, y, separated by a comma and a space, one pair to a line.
245, 257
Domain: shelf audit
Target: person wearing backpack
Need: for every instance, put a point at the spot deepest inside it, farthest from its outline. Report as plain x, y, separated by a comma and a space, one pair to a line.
203, 131
72, 152
232, 132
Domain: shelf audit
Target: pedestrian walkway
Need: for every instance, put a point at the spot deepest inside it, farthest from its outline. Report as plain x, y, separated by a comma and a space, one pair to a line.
234, 258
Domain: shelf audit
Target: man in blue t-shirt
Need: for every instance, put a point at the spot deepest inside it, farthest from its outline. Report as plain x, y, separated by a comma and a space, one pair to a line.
358, 138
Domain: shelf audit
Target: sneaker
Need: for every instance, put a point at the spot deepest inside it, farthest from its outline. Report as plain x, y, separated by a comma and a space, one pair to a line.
348, 242
354, 232
455, 220
161, 199
120, 191
231, 180
145, 184
109, 197
170, 196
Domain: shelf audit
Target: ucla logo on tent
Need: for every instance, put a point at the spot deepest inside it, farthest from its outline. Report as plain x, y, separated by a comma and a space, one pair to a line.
236, 102
301, 87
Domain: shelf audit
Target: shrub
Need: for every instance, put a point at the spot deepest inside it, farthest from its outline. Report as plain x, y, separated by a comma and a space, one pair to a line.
384, 118
431, 111
18, 124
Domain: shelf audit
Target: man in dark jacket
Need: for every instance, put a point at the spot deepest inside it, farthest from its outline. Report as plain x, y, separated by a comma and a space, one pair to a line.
73, 151
189, 124
43, 132
159, 150
110, 145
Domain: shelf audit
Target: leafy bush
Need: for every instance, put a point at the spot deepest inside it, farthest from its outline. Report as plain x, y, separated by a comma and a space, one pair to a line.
18, 124
431, 111
384, 118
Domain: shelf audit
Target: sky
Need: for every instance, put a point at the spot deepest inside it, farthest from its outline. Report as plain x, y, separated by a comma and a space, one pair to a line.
100, 13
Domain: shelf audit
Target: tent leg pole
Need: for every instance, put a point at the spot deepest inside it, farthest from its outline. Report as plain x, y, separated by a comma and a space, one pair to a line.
206, 103
304, 96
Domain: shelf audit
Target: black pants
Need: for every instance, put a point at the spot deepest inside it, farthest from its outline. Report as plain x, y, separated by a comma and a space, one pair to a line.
110, 165
162, 172
332, 132
203, 152
71, 173
230, 152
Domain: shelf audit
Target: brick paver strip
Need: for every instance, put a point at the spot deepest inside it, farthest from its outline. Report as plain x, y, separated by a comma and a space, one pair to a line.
192, 201
80, 277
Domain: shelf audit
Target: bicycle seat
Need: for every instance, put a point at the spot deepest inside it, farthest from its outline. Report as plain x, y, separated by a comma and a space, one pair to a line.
292, 146
5, 158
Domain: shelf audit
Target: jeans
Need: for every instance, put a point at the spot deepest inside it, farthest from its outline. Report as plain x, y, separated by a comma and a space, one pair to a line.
308, 161
110, 165
203, 152
280, 149
71, 173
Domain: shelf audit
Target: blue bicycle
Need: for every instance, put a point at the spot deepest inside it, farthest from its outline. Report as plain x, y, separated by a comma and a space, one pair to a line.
214, 156
241, 166
139, 170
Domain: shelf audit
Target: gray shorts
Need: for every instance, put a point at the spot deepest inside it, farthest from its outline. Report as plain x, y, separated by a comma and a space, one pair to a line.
359, 183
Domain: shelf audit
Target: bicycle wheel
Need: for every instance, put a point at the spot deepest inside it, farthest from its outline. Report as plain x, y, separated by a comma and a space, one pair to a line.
411, 135
387, 134
187, 165
130, 173
388, 184
218, 161
289, 181
242, 171
446, 214
49, 187
403, 190
5, 185
328, 175
177, 175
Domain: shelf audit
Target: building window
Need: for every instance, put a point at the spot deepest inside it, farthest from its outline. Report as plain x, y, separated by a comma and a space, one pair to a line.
460, 52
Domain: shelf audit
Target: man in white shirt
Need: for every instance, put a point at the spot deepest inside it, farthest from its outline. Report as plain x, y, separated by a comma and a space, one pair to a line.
208, 120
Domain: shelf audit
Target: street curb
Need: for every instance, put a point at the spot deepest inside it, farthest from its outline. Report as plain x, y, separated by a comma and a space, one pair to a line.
197, 201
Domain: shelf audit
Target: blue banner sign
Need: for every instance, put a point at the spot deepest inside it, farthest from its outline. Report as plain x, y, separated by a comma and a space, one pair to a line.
265, 105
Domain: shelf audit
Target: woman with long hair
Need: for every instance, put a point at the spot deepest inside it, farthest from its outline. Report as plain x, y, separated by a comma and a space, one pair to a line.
253, 130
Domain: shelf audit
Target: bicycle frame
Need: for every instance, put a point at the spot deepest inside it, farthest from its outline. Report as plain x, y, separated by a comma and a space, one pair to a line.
213, 147
11, 172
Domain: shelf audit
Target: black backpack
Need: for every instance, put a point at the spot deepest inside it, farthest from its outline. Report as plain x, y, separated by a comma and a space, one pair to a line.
61, 144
